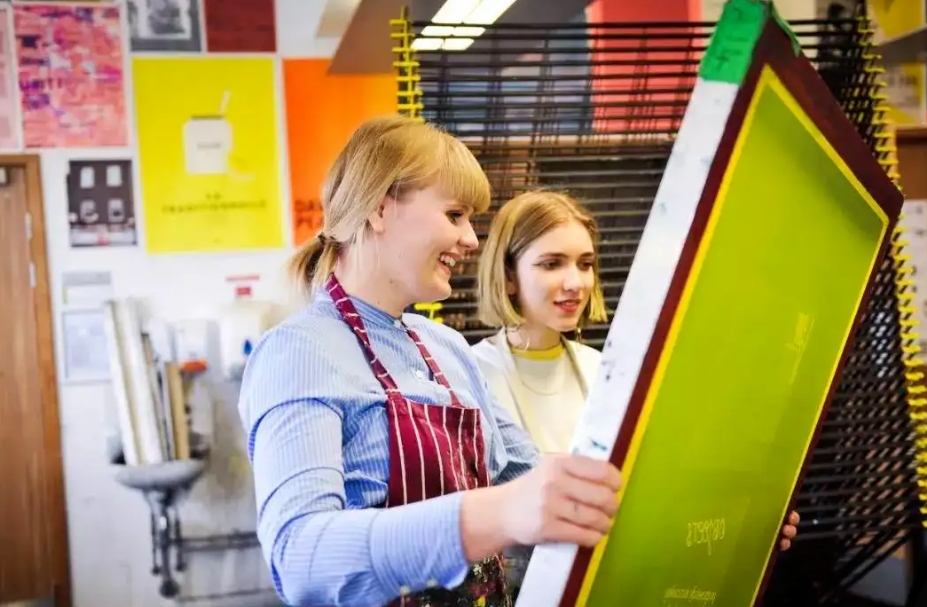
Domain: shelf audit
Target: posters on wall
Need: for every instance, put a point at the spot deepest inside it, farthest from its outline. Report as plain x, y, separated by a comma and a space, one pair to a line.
86, 355
322, 111
208, 159
914, 220
907, 83
85, 352
164, 25
10, 124
71, 75
101, 209
239, 26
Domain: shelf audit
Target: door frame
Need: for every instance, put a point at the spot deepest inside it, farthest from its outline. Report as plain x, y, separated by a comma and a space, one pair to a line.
54, 498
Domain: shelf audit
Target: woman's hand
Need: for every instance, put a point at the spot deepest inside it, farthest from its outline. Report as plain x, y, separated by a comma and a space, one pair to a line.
789, 531
566, 498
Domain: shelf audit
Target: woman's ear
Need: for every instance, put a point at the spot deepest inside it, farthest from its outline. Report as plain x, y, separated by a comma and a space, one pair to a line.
376, 219
511, 284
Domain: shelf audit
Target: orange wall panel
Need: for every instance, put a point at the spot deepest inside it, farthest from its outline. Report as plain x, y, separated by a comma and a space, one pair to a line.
322, 111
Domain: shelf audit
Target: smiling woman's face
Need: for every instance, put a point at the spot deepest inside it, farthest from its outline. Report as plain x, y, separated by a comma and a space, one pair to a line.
555, 277
422, 237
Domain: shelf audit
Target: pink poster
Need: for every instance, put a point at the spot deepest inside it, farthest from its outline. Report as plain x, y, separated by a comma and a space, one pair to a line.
71, 75
9, 102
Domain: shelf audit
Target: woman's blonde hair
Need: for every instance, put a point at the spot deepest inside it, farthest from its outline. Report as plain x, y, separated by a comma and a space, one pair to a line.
520, 222
386, 156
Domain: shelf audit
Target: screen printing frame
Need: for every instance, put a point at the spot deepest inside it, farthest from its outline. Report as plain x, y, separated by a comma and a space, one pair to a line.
560, 575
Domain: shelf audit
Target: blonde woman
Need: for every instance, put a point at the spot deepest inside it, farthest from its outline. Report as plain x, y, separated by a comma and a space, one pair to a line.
538, 278
385, 473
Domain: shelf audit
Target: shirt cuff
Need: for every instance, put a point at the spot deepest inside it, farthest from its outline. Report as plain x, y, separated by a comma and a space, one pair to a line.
418, 546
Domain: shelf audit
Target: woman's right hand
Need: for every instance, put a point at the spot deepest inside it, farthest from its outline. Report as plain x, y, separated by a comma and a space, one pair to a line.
566, 498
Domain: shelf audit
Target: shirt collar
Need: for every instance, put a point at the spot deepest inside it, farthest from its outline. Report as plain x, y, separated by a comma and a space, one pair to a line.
370, 314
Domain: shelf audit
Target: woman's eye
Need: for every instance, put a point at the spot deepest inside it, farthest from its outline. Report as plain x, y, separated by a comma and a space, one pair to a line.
455, 216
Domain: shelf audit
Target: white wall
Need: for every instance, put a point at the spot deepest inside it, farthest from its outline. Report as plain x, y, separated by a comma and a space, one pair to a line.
789, 9
108, 524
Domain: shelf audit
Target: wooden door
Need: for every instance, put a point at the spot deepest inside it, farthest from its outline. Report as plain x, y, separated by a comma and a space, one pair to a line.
912, 160
33, 534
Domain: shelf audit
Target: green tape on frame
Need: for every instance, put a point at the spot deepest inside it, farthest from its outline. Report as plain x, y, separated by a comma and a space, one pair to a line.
730, 51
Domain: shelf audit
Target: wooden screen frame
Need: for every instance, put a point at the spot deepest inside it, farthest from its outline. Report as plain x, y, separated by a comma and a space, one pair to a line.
773, 49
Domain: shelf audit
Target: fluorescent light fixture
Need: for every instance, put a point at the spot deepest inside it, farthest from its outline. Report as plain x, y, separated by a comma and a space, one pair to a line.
438, 31
427, 44
469, 32
488, 11
457, 44
455, 11
462, 13
447, 44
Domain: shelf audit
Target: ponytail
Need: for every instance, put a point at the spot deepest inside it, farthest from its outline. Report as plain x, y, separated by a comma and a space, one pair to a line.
313, 262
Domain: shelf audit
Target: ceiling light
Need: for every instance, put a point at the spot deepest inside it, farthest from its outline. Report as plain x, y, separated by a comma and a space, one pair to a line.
487, 12
468, 32
457, 44
455, 11
427, 44
438, 31
463, 13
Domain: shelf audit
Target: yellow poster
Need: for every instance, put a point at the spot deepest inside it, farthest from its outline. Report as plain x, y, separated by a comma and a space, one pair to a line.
208, 153
906, 83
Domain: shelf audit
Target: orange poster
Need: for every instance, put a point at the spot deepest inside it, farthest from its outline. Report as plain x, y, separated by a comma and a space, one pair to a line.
322, 111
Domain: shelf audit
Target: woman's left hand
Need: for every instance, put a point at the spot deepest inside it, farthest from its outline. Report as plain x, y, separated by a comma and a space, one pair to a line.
789, 530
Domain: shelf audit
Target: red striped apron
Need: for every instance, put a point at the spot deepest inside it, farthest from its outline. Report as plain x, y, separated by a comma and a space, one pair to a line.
433, 450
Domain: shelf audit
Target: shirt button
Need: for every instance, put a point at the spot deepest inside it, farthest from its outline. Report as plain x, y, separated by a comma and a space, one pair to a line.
419, 374
432, 583
397, 323
404, 590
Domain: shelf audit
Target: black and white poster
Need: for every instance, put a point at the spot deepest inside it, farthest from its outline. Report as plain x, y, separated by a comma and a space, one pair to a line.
101, 206
165, 25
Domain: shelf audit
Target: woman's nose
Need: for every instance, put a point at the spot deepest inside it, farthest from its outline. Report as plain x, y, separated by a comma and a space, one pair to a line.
468, 239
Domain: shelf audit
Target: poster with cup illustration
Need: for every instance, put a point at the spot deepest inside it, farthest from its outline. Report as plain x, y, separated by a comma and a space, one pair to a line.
101, 207
208, 159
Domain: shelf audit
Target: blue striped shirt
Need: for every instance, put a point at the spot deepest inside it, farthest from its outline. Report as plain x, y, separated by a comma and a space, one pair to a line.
318, 443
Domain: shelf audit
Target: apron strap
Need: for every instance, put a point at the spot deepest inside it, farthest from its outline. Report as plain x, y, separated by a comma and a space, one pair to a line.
433, 366
349, 314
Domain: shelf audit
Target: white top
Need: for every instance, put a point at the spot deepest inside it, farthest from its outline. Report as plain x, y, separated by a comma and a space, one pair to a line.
544, 391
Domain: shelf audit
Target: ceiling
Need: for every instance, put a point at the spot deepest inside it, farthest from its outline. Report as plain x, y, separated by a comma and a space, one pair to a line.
366, 47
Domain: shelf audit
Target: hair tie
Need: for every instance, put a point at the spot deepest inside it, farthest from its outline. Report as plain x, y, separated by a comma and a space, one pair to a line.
323, 238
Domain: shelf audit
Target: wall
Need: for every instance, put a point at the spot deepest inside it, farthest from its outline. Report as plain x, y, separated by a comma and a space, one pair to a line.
906, 84
789, 9
108, 524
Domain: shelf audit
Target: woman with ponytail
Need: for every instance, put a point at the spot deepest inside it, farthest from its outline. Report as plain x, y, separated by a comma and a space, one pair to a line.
385, 472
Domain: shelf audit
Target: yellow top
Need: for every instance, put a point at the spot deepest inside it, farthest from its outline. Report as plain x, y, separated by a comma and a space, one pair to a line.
548, 354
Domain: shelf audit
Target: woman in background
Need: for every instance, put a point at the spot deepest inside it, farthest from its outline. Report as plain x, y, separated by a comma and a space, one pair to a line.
538, 278
384, 471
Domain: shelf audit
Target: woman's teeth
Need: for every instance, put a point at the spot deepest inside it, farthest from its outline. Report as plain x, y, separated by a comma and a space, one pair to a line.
447, 260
